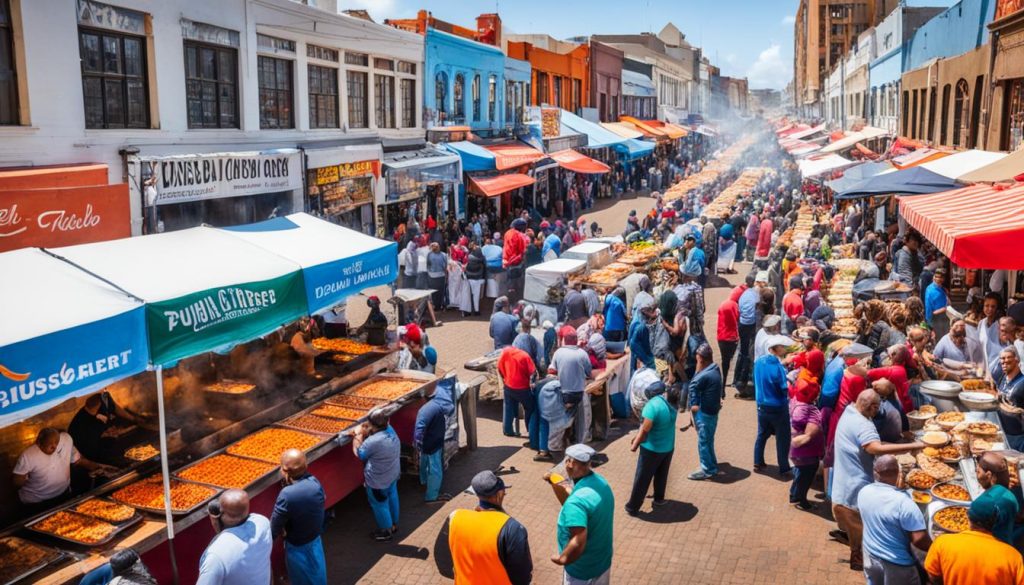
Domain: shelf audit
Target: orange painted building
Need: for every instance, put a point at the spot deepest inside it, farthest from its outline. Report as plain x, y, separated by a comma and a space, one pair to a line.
557, 79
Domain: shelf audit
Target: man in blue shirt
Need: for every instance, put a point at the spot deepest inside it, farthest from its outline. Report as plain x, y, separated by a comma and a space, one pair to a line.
299, 517
640, 338
831, 382
503, 324
378, 447
935, 303
892, 523
1010, 383
553, 244
705, 396
772, 394
428, 438
614, 316
240, 552
748, 330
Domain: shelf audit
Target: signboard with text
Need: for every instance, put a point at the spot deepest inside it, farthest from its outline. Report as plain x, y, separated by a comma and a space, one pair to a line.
180, 179
63, 217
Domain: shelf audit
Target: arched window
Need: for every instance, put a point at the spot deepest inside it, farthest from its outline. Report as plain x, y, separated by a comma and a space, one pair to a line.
944, 125
961, 113
979, 88
441, 93
475, 92
492, 98
931, 114
458, 93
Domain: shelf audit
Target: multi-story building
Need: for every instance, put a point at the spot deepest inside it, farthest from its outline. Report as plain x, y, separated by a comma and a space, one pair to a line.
1006, 108
606, 81
212, 111
639, 97
561, 70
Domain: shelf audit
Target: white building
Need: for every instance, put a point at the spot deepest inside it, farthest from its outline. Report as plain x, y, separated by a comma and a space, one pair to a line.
130, 83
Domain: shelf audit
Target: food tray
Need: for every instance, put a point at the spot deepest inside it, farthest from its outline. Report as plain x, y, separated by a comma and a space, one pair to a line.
426, 383
339, 423
230, 387
113, 533
937, 526
361, 402
271, 469
235, 448
339, 412
135, 460
134, 519
11, 572
932, 491
160, 509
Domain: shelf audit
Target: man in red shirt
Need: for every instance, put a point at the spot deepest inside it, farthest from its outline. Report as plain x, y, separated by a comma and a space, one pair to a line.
764, 236
517, 369
793, 304
512, 255
729, 330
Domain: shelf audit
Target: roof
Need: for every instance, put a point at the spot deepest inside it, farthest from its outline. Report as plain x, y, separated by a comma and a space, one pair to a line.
579, 163
1002, 170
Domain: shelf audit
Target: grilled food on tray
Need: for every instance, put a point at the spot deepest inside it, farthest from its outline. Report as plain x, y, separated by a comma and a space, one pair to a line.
976, 385
982, 428
951, 491
319, 424
77, 527
18, 556
230, 387
950, 417
149, 493
920, 480
226, 471
949, 452
387, 389
342, 345
141, 452
952, 519
935, 468
335, 411
362, 402
109, 511
268, 444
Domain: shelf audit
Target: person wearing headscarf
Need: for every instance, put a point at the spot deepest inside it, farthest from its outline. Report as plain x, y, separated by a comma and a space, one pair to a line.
422, 272
643, 295
376, 325
726, 249
459, 290
640, 349
526, 340
597, 351
670, 335
615, 316
459, 252
416, 353
807, 445
409, 259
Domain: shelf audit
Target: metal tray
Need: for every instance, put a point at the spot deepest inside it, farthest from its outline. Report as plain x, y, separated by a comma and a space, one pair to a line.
336, 400
53, 555
219, 488
161, 511
118, 528
427, 383
133, 520
960, 503
322, 439
286, 423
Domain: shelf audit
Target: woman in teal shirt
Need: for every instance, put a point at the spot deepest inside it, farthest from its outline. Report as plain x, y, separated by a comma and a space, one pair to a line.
656, 441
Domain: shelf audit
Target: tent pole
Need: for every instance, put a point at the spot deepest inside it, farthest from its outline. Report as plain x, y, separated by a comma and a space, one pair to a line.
165, 471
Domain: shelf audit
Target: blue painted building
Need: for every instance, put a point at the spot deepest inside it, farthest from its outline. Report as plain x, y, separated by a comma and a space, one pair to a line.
955, 31
463, 83
517, 91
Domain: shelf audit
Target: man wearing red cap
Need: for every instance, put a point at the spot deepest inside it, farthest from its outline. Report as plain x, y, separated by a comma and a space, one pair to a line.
416, 352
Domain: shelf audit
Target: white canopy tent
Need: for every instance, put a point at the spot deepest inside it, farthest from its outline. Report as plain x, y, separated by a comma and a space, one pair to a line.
812, 167
961, 163
852, 139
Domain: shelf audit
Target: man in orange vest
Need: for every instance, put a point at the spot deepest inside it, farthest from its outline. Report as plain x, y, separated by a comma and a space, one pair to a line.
488, 545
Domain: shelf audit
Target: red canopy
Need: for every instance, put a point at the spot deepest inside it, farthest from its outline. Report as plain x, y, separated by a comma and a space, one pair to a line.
976, 227
579, 163
510, 156
498, 184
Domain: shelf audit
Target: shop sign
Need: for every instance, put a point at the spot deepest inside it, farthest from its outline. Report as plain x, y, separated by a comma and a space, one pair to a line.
63, 217
1008, 7
180, 179
219, 317
550, 122
335, 173
330, 283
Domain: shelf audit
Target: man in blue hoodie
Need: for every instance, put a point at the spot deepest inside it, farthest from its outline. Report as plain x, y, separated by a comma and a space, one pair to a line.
428, 437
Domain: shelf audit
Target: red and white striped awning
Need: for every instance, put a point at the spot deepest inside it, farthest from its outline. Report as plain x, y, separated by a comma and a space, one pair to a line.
976, 227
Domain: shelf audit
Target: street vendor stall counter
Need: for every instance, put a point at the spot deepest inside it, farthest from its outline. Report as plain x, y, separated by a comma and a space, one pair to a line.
596, 254
545, 282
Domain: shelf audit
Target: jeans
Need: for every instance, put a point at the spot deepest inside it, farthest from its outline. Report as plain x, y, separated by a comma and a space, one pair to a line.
431, 473
649, 466
543, 434
803, 477
305, 563
745, 361
384, 503
773, 420
526, 398
583, 417
727, 349
882, 572
692, 343
741, 245
706, 425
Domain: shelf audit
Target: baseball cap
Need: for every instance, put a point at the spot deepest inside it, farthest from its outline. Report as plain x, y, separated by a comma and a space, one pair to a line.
776, 340
772, 320
808, 333
580, 452
856, 350
762, 276
486, 484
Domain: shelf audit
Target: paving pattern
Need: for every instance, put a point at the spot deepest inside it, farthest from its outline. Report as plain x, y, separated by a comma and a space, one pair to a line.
738, 529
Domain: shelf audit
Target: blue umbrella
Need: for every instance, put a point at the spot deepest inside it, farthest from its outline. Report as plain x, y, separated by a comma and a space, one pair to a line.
912, 181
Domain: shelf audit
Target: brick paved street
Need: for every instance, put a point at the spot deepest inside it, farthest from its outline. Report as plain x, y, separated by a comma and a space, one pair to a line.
739, 529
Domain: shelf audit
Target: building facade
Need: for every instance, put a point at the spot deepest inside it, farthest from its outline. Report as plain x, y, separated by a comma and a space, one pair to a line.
639, 97
671, 76
464, 83
1006, 109
560, 71
606, 81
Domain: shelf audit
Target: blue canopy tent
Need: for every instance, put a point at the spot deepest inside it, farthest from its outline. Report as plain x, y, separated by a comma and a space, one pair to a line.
600, 137
474, 157
912, 181
854, 175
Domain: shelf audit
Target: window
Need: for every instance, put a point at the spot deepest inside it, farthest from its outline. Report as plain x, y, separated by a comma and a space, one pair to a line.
543, 95
441, 93
475, 93
275, 93
211, 86
1013, 128
557, 101
924, 107
408, 89
322, 53
383, 64
114, 80
904, 109
358, 106
913, 116
361, 59
323, 97
407, 68
931, 114
577, 95
961, 112
274, 45
976, 110
8, 73
492, 98
510, 100
458, 93
944, 125
384, 100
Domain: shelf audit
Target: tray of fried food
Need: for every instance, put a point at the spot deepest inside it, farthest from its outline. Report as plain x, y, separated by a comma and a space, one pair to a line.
982, 428
113, 512
20, 558
919, 480
360, 402
934, 467
609, 275
226, 386
226, 471
952, 519
322, 425
268, 444
148, 494
976, 385
342, 344
143, 452
385, 388
75, 528
951, 492
339, 412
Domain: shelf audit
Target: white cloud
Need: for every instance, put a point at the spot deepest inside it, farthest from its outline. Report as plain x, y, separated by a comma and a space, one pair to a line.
788, 20
769, 70
730, 58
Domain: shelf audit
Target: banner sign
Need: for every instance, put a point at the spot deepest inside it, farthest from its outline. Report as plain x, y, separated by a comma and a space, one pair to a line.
335, 173
180, 179
63, 217
217, 317
37, 373
330, 283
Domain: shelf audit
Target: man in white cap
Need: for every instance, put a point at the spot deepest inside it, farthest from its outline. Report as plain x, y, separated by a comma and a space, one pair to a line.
771, 325
772, 394
585, 522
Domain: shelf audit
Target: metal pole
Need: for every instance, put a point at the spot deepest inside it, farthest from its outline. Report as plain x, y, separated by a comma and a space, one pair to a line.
164, 469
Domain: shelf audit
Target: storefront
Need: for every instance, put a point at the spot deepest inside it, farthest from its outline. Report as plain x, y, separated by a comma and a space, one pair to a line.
1007, 111
421, 182
342, 184
61, 206
217, 189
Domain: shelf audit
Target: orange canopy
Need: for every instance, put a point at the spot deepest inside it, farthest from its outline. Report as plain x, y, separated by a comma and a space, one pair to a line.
644, 127
498, 184
510, 156
918, 157
579, 163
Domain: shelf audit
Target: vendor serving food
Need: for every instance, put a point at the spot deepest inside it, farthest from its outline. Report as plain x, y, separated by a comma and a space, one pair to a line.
43, 471
91, 426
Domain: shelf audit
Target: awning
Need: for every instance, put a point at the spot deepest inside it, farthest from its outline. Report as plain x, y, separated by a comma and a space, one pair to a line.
976, 227
623, 130
918, 157
330, 156
510, 156
427, 156
579, 163
852, 139
644, 127
667, 128
806, 132
961, 163
638, 148
1000, 171
498, 184
790, 129
913, 181
597, 135
854, 175
474, 157
64, 334
813, 167
804, 149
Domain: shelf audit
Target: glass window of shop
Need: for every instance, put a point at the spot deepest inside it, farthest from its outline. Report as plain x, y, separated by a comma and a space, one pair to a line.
343, 194
275, 79
8, 70
384, 100
211, 85
114, 79
492, 98
223, 212
459, 94
1013, 125
441, 94
476, 97
406, 75
323, 96
358, 99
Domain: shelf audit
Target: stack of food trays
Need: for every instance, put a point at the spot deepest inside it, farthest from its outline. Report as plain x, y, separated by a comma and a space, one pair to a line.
76, 526
386, 387
225, 471
20, 558
148, 494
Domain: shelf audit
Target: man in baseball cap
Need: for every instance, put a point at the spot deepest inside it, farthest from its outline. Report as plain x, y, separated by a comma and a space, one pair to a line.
772, 394
488, 545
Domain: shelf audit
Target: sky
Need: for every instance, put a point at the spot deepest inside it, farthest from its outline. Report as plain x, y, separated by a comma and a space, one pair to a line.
745, 38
